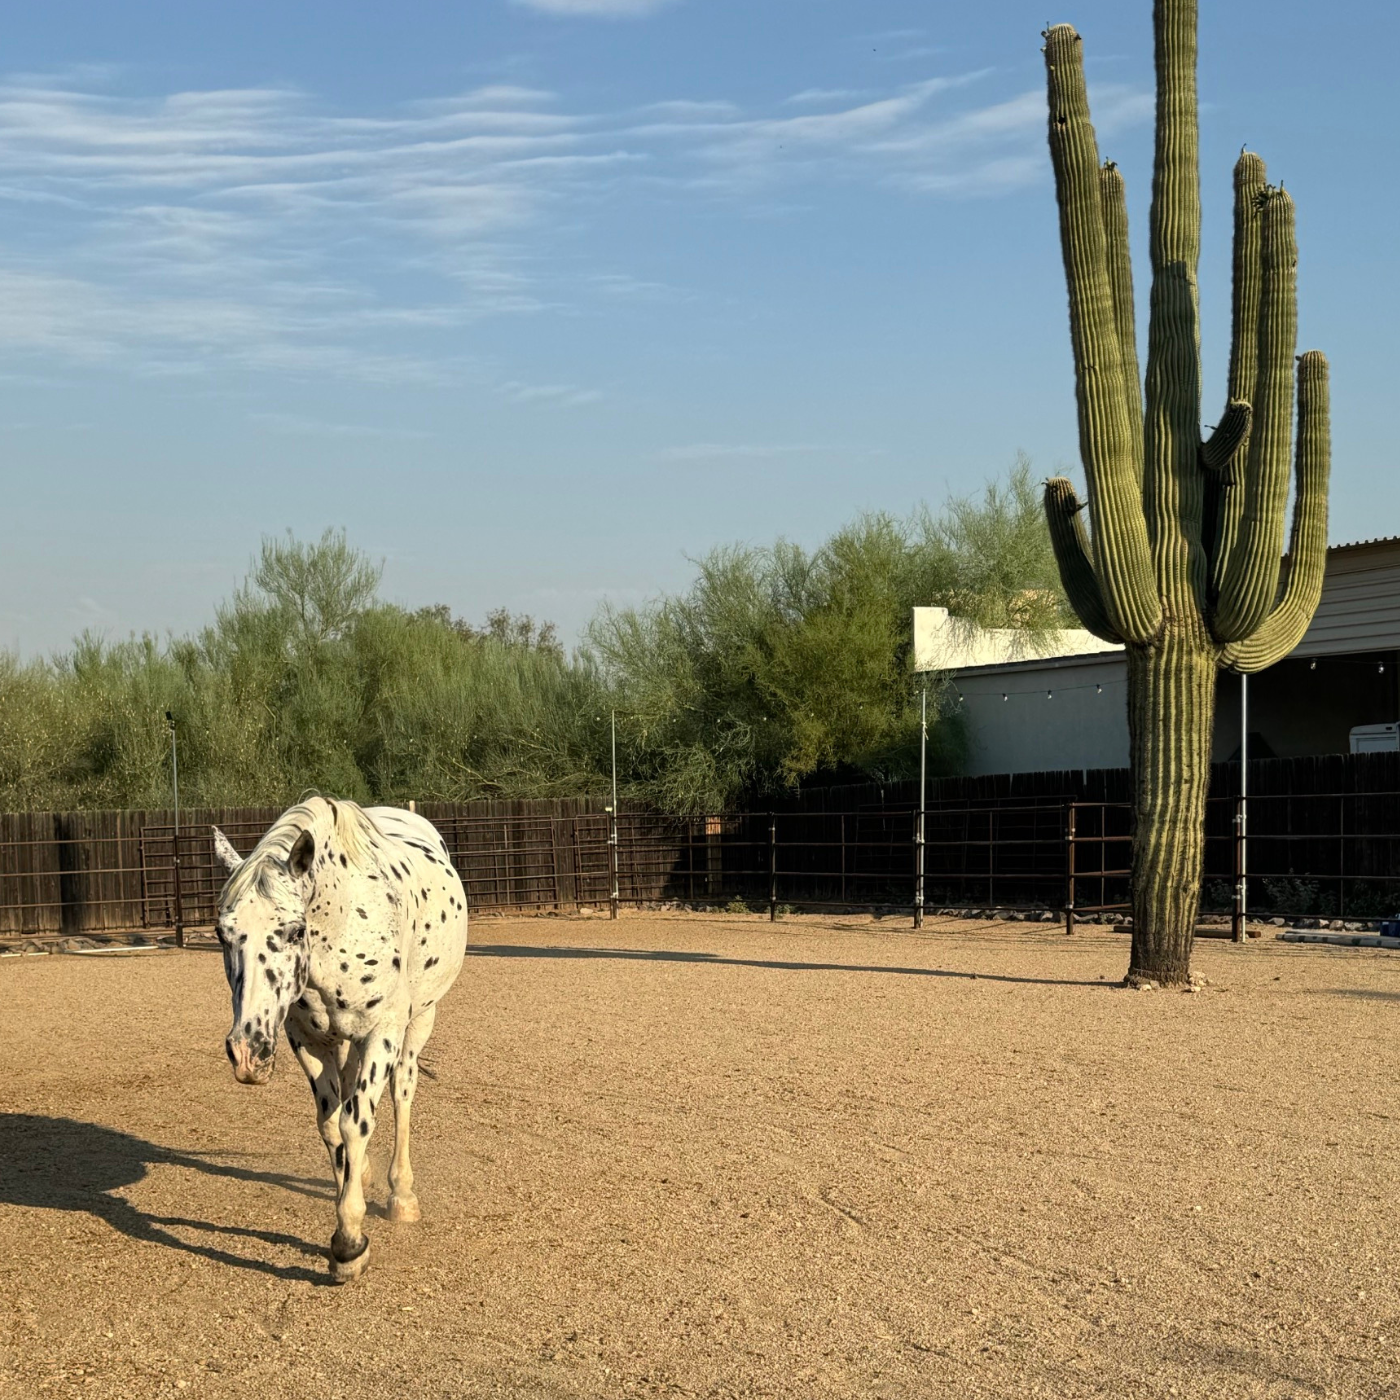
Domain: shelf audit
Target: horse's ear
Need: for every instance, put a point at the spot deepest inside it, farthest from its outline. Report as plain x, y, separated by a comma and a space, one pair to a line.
223, 850
301, 855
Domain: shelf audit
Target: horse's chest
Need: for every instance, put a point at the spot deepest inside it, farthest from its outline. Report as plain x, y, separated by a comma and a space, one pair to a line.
311, 1017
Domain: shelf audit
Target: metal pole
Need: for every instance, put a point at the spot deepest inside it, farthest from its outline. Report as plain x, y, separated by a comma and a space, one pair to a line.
843, 857
923, 809
1069, 869
772, 868
1241, 930
175, 845
612, 863
612, 826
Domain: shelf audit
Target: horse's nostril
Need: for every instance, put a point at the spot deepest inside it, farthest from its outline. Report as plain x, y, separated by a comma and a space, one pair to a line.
228, 1050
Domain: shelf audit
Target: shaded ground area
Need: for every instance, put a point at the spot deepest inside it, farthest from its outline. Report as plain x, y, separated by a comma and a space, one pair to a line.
698, 1156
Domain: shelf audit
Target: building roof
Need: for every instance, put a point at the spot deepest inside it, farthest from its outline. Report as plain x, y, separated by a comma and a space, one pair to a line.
1359, 612
1362, 544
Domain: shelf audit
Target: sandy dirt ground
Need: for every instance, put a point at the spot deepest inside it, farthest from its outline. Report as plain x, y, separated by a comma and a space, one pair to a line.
678, 1155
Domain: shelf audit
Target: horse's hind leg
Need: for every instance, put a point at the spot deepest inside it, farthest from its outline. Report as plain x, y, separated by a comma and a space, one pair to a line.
403, 1204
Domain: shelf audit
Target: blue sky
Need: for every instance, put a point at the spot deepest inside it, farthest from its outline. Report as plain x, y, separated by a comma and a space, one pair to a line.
538, 298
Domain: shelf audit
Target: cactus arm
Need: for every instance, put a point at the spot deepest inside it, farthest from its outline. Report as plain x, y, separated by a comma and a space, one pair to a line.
1113, 198
1174, 490
1112, 456
1225, 495
1063, 510
1283, 629
1230, 434
1249, 582
1251, 180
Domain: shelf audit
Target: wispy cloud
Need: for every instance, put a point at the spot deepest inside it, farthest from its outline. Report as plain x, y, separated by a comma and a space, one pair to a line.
746, 451
596, 9
562, 395
298, 426
822, 96
258, 228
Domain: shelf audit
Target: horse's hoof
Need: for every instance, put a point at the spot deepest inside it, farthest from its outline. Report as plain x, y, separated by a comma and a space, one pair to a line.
345, 1270
404, 1209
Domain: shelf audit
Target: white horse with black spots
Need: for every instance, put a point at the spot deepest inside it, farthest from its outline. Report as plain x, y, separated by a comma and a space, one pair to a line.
348, 926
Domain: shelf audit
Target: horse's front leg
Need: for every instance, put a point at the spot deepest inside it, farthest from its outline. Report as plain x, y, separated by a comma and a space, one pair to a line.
364, 1078
322, 1069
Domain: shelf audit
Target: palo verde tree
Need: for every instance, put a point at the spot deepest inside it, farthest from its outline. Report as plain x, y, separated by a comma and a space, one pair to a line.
1183, 561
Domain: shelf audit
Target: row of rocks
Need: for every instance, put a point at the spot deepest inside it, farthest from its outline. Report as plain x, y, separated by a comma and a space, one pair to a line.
1010, 916
38, 947
1336, 925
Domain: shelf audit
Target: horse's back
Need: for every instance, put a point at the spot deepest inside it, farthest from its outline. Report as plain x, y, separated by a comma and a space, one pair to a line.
437, 943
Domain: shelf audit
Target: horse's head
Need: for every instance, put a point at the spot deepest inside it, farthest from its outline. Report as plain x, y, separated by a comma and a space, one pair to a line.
262, 930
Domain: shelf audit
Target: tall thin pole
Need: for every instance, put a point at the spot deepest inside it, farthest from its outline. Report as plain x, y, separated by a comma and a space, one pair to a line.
772, 868
612, 826
923, 809
1242, 821
175, 784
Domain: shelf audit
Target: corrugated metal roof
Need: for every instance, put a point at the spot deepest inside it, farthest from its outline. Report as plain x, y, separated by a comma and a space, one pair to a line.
1357, 544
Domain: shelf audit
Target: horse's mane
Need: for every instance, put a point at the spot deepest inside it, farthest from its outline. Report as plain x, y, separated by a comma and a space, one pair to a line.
348, 822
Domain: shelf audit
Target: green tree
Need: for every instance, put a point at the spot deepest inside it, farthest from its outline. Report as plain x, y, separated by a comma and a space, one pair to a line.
780, 666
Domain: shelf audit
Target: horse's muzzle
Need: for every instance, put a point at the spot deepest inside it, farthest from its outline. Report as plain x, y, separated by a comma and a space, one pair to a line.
252, 1060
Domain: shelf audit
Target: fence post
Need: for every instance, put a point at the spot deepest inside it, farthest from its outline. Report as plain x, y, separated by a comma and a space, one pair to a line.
612, 862
919, 869
179, 893
1069, 867
772, 868
1341, 856
923, 806
1239, 930
843, 857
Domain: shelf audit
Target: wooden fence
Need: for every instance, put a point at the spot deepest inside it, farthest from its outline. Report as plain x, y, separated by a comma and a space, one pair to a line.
71, 873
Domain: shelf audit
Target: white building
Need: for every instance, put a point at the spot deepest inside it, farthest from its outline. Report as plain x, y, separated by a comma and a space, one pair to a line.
1029, 713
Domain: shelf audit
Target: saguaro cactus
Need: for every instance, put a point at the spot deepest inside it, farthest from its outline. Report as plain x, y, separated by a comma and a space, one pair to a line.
1183, 563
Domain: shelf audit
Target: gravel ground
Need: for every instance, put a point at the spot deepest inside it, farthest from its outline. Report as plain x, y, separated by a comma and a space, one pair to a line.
684, 1155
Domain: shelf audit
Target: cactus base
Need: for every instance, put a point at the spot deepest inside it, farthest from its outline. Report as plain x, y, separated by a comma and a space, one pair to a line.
1171, 713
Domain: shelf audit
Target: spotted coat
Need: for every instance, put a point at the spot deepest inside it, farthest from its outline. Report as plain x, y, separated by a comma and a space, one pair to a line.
347, 926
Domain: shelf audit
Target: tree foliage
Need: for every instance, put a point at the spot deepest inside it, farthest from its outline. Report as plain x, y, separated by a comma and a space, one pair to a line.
778, 666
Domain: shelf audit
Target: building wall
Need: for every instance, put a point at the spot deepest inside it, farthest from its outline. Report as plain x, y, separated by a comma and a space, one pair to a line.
1305, 706
1069, 713
1360, 606
1345, 672
1055, 716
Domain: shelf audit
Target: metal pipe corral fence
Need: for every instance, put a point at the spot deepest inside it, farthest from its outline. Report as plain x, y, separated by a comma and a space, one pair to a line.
1329, 855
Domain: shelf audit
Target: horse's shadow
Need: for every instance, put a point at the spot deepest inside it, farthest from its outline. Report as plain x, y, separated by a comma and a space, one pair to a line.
64, 1164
